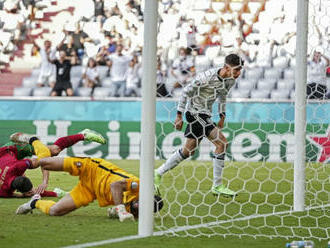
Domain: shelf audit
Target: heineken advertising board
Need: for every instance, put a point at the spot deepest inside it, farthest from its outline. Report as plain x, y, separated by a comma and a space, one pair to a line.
253, 133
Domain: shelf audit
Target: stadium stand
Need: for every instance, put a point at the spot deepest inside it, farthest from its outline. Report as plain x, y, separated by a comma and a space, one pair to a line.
251, 28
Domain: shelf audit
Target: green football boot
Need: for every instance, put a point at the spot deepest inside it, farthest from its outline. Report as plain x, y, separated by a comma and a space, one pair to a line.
91, 135
222, 190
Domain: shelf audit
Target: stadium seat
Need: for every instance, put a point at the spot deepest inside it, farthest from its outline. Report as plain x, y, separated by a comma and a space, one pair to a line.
239, 93
75, 81
254, 6
292, 94
217, 6
292, 62
101, 92
23, 91
76, 71
43, 91
272, 73
254, 73
103, 70
247, 84
212, 52
29, 82
281, 62
236, 6
106, 82
288, 73
260, 94
82, 91
218, 61
280, 94
35, 72
202, 63
285, 84
266, 84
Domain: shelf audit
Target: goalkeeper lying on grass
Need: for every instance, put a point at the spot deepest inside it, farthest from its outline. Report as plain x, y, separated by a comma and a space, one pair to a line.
13, 163
98, 179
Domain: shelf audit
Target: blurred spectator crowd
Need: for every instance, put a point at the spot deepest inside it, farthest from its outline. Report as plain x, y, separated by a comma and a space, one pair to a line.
103, 40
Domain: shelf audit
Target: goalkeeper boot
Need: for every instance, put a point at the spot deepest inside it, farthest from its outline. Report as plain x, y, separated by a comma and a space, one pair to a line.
60, 192
21, 137
157, 181
26, 207
91, 135
222, 190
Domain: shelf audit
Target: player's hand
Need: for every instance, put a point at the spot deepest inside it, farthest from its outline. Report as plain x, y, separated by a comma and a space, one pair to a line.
221, 123
41, 188
178, 122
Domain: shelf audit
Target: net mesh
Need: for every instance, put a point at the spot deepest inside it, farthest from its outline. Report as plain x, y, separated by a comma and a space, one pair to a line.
259, 125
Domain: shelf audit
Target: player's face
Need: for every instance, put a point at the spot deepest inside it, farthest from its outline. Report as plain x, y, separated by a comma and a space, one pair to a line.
233, 71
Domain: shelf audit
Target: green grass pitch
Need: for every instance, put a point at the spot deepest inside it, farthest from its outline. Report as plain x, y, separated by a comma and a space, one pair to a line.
257, 184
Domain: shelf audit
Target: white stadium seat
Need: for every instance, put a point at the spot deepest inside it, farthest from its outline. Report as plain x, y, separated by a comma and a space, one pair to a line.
82, 91
285, 84
43, 91
280, 94
266, 84
101, 92
29, 82
106, 82
247, 84
260, 94
254, 73
272, 73
239, 93
23, 91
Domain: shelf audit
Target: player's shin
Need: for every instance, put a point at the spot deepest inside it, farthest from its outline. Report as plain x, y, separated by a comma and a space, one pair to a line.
218, 165
171, 162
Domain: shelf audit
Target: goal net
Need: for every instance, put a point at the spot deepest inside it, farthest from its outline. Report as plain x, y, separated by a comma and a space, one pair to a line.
259, 125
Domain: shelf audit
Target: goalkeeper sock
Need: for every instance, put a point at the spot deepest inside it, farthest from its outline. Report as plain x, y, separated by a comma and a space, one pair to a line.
44, 205
218, 164
67, 141
171, 162
40, 149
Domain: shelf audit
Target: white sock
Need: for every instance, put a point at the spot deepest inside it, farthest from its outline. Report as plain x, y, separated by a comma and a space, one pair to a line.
218, 164
171, 162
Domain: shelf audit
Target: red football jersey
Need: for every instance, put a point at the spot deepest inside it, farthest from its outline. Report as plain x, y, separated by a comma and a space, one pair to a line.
10, 168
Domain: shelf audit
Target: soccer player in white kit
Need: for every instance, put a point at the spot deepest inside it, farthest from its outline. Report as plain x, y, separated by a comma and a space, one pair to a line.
196, 102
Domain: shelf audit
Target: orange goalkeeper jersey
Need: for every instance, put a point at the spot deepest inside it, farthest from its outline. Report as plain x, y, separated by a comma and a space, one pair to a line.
96, 175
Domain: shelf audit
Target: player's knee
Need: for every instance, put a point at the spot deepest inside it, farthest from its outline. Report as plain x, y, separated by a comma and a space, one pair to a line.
55, 150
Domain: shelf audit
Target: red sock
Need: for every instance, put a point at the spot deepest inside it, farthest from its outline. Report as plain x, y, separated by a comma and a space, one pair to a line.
68, 141
48, 194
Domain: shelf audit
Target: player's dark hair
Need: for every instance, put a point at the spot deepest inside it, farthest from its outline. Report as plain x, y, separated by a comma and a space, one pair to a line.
234, 60
158, 205
21, 184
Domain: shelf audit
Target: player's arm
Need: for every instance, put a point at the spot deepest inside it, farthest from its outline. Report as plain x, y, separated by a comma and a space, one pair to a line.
326, 59
117, 190
222, 110
45, 177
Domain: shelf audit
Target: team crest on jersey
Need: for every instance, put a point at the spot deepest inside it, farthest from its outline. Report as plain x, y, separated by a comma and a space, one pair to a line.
78, 164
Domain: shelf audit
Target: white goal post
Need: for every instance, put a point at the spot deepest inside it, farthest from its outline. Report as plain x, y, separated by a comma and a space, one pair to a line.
148, 118
300, 106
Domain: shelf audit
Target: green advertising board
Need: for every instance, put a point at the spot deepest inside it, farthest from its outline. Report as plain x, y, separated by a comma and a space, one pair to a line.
247, 142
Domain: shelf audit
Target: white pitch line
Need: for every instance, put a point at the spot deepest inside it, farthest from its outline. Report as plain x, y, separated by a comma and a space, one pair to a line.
183, 228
